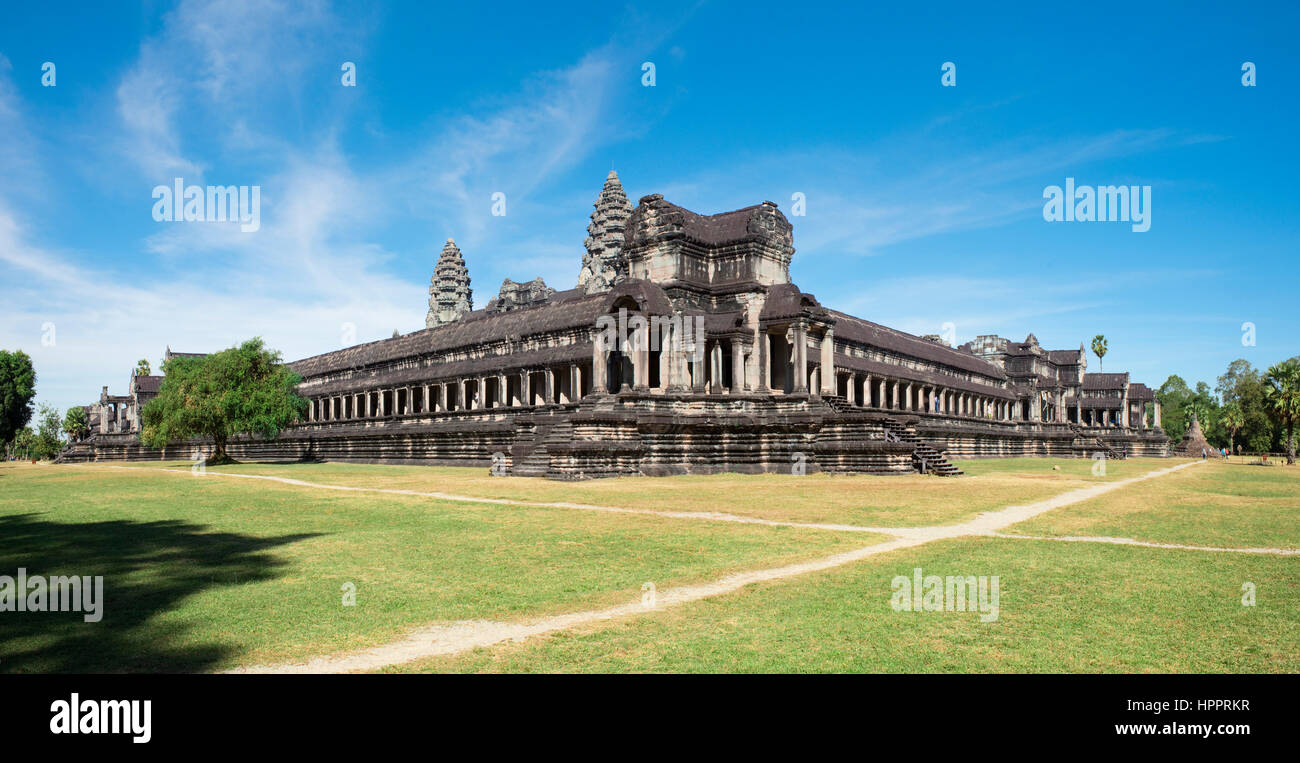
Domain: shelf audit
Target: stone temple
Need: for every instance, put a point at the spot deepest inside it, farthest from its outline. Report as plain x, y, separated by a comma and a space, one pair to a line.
683, 348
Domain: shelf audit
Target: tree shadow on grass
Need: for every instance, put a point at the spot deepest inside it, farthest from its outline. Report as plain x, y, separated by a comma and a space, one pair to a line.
149, 568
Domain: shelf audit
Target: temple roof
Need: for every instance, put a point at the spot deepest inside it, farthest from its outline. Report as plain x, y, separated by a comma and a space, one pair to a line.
866, 332
564, 310
1140, 391
1105, 381
785, 300
1065, 357
146, 384
757, 221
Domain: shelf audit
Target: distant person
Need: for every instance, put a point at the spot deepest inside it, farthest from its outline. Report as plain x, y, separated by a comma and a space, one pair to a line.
1203, 453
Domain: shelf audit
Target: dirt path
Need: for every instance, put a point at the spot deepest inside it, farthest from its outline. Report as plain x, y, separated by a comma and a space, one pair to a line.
449, 639
1148, 544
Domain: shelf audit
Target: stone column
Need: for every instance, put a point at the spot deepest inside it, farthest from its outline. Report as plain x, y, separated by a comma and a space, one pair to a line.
549, 376
666, 350
828, 363
800, 358
641, 358
715, 367
697, 369
737, 367
684, 361
599, 368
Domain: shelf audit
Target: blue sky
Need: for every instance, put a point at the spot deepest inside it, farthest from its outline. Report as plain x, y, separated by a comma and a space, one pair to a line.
923, 203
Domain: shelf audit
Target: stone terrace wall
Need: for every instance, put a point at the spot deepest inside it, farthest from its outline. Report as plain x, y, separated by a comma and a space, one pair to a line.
652, 434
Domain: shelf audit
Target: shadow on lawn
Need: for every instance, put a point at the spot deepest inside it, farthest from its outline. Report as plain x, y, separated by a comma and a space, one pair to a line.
148, 569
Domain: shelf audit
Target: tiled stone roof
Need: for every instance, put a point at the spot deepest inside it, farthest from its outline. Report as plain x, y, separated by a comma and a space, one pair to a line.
146, 384
565, 310
657, 218
1140, 392
1105, 381
875, 335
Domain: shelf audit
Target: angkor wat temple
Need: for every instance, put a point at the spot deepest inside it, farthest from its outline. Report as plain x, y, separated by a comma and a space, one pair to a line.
684, 348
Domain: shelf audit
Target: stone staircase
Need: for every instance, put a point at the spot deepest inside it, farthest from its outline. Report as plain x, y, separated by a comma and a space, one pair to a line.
926, 458
838, 403
1093, 440
531, 458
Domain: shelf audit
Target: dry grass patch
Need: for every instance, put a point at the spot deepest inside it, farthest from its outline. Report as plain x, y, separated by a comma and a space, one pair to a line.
1214, 504
864, 500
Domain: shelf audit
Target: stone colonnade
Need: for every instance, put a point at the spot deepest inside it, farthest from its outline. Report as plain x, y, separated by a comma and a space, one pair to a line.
517, 389
866, 390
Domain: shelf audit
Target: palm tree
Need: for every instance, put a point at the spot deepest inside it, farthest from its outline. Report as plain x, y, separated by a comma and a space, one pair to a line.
1282, 392
142, 367
1099, 349
1233, 420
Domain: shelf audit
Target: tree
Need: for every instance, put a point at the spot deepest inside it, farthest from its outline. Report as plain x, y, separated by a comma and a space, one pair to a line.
1174, 397
1099, 349
24, 444
241, 390
49, 431
1233, 419
1283, 395
142, 367
76, 423
17, 388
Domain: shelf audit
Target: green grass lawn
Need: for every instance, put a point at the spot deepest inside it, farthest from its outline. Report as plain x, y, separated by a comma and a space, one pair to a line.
215, 572
210, 573
1212, 504
864, 500
1064, 607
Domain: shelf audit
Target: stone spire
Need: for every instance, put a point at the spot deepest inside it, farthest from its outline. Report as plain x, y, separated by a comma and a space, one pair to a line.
604, 264
449, 295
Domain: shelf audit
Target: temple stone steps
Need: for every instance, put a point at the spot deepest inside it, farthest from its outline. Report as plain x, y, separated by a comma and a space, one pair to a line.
926, 459
1097, 441
532, 459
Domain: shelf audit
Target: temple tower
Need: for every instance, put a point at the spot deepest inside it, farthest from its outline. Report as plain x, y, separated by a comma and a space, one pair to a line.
449, 295
604, 263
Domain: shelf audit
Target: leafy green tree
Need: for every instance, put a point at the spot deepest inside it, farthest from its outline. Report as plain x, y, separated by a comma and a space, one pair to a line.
49, 432
17, 389
241, 390
1099, 349
23, 445
1174, 397
142, 367
1283, 396
76, 423
1233, 419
